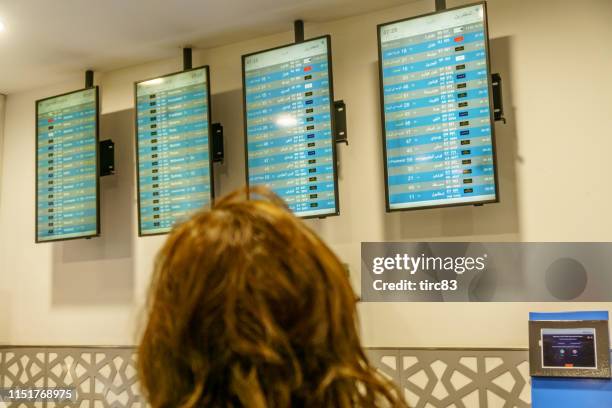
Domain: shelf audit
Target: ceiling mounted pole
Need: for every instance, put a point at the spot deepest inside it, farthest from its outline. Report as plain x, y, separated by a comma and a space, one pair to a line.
298, 28
89, 78
440, 5
187, 62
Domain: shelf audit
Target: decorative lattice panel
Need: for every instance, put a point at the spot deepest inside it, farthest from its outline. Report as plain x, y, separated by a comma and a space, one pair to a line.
447, 378
458, 378
102, 377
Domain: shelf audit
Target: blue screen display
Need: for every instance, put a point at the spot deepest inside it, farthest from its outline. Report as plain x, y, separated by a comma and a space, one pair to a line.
174, 177
67, 167
437, 119
289, 132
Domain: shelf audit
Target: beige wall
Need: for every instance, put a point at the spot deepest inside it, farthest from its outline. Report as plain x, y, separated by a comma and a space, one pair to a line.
2, 107
555, 59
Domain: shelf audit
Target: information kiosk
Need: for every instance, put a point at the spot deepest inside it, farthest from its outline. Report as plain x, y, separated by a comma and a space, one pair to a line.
569, 359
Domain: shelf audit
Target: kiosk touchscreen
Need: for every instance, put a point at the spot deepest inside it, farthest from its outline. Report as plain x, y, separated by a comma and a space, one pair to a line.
67, 186
288, 97
173, 149
569, 348
437, 113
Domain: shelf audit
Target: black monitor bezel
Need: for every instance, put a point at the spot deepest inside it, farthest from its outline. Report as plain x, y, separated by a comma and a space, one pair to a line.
331, 112
97, 154
491, 113
210, 145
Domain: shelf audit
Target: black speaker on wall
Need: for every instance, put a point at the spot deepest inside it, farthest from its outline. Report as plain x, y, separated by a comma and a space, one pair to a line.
218, 153
107, 158
340, 131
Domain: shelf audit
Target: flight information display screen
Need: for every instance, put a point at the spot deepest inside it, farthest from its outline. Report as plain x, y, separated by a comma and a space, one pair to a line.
67, 199
437, 110
173, 145
288, 97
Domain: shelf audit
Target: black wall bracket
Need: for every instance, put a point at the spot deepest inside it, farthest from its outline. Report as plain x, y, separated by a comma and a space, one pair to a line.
218, 153
107, 158
498, 102
340, 131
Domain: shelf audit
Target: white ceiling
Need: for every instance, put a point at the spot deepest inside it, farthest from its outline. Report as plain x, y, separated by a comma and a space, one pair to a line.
49, 41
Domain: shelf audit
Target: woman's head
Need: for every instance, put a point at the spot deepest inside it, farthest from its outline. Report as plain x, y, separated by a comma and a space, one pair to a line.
249, 308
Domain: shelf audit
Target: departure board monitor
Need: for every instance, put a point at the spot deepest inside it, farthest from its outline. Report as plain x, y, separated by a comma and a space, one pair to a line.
67, 189
288, 99
173, 145
438, 139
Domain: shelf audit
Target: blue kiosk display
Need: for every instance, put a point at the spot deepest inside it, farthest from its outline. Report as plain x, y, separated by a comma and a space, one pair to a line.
570, 360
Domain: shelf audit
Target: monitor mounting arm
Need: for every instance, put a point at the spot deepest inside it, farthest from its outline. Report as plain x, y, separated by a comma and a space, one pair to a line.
440, 5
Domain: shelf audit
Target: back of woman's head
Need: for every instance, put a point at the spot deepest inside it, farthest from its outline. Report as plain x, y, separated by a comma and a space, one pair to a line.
249, 308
